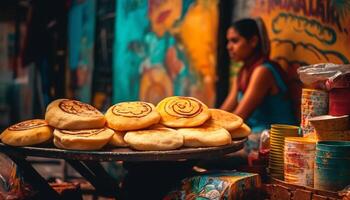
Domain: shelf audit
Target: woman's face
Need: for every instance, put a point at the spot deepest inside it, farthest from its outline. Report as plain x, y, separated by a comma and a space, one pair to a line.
239, 48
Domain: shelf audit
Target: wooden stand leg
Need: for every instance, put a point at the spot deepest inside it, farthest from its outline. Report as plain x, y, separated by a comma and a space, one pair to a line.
97, 176
32, 177
153, 180
106, 181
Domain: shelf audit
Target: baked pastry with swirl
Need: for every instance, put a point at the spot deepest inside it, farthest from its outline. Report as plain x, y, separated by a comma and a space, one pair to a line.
127, 116
89, 139
179, 111
73, 115
26, 133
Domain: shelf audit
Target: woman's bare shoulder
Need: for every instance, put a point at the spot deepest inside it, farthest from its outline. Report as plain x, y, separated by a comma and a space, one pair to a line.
262, 72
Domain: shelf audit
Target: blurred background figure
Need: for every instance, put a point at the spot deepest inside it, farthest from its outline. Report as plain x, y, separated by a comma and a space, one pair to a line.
259, 93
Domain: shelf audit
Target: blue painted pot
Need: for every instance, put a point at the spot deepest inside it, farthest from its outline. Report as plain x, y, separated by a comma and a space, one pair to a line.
331, 173
333, 154
333, 148
332, 165
333, 162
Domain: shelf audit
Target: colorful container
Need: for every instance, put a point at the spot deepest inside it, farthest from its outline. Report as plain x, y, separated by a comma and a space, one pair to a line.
331, 123
339, 95
276, 157
221, 185
332, 165
313, 103
331, 128
299, 154
342, 81
339, 101
333, 135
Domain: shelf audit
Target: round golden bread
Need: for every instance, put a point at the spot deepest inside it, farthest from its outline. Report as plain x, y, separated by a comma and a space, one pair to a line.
117, 139
129, 116
154, 139
30, 132
207, 135
178, 112
89, 139
227, 120
73, 115
241, 132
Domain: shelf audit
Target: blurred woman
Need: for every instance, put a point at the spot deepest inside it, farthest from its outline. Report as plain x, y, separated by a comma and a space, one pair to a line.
259, 93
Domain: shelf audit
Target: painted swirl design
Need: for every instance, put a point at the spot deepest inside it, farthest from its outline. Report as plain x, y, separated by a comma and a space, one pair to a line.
29, 124
132, 109
83, 133
183, 107
78, 108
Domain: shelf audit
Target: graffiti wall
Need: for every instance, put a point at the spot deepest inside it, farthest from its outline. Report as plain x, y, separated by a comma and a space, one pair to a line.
164, 48
307, 31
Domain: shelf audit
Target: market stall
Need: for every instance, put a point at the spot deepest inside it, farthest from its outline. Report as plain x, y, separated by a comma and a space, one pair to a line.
87, 163
315, 164
137, 133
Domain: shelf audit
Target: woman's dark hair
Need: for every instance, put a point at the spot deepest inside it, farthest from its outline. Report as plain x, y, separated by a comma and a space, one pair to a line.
247, 28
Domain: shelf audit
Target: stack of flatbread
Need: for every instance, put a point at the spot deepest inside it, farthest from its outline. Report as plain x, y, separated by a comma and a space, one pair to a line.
175, 122
78, 125
189, 115
136, 123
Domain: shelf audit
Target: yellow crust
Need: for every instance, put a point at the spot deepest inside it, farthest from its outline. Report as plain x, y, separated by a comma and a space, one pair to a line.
178, 112
32, 136
117, 139
241, 132
227, 120
57, 118
79, 142
155, 139
207, 135
128, 122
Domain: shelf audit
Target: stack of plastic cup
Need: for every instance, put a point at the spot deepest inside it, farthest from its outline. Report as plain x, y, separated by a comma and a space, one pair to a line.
278, 132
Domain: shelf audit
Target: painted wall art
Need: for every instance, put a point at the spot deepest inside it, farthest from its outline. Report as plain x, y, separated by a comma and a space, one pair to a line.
164, 48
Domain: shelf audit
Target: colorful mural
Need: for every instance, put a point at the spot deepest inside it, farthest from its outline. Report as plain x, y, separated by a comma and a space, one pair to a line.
305, 32
308, 31
164, 48
81, 38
